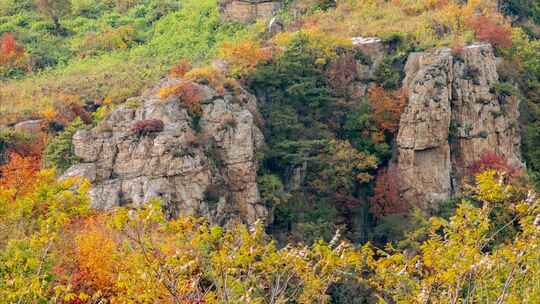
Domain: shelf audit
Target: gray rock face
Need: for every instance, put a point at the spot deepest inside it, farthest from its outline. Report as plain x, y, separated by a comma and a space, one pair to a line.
248, 10
31, 127
453, 116
202, 168
374, 51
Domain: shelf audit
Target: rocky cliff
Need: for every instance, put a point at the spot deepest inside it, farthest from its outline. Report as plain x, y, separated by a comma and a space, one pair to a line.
248, 10
203, 166
453, 116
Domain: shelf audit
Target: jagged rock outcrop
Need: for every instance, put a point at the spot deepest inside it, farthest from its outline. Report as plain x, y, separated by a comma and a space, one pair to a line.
248, 10
453, 116
203, 166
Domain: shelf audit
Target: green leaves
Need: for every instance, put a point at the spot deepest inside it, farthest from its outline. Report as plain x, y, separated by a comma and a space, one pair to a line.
59, 151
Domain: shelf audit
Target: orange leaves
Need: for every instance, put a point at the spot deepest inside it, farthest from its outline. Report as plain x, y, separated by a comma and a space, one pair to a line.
488, 30
387, 107
181, 68
207, 75
94, 254
244, 56
19, 172
188, 92
89, 263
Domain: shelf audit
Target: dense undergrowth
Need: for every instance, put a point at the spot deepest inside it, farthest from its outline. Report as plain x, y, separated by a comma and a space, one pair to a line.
104, 55
324, 167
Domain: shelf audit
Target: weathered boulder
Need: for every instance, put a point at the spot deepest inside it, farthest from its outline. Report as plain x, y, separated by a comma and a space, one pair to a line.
202, 166
32, 127
246, 11
453, 116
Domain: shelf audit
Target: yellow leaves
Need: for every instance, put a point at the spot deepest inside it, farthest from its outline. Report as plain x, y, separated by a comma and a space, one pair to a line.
326, 43
244, 56
437, 223
206, 75
138, 256
490, 187
428, 22
464, 251
49, 113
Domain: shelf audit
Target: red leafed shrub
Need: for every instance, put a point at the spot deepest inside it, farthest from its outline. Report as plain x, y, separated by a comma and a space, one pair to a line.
8, 45
490, 160
341, 74
387, 107
181, 68
11, 53
488, 30
143, 127
386, 198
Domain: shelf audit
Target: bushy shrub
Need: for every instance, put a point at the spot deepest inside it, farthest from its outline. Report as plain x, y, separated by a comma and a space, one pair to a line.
67, 108
181, 68
489, 160
386, 199
188, 93
387, 107
11, 140
12, 56
147, 126
486, 29
244, 56
341, 73
59, 152
107, 40
19, 172
207, 75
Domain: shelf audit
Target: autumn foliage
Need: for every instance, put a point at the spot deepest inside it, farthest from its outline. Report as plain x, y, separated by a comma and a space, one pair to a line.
11, 53
188, 93
490, 160
19, 172
244, 56
386, 199
88, 264
181, 68
488, 30
387, 107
